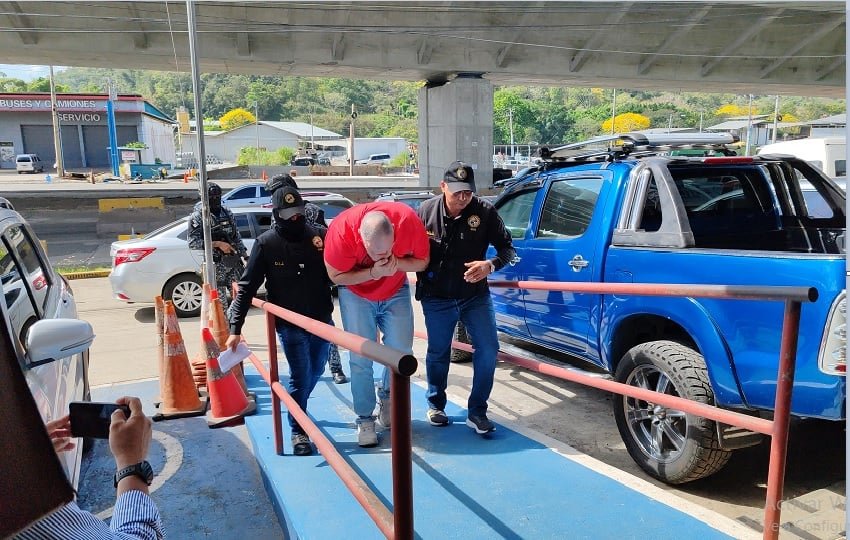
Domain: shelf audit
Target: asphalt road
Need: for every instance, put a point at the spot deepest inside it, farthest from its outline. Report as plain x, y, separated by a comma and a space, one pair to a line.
578, 416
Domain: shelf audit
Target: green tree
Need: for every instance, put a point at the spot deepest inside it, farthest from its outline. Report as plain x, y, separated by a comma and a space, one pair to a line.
42, 84
236, 118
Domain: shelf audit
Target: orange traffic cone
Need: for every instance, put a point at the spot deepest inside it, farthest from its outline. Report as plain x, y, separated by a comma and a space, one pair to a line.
221, 331
185, 177
179, 395
228, 403
264, 175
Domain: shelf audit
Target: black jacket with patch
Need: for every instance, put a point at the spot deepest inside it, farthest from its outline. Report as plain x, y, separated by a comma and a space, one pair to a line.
295, 276
455, 241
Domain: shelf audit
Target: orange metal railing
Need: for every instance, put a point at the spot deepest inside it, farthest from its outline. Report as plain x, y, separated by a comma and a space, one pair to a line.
777, 428
397, 524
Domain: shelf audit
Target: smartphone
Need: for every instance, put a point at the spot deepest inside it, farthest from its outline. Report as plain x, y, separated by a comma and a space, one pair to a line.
92, 419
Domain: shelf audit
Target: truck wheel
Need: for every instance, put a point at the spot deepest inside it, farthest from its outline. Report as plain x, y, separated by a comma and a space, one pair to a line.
670, 445
459, 356
186, 291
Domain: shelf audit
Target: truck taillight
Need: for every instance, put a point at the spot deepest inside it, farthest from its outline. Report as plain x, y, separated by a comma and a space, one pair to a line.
130, 255
833, 350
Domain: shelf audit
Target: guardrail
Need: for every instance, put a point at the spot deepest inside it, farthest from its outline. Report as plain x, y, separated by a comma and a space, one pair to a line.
397, 524
777, 428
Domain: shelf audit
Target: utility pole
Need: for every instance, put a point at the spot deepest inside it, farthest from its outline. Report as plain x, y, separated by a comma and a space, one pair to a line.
749, 124
257, 127
112, 95
613, 111
312, 136
351, 142
700, 121
775, 118
511, 126
57, 130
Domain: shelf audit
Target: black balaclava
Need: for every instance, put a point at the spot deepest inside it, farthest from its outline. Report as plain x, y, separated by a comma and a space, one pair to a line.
291, 229
214, 198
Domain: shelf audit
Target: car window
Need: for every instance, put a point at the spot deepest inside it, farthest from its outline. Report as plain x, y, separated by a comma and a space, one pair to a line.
264, 192
20, 304
39, 279
243, 193
264, 222
568, 207
333, 208
840, 167
515, 212
243, 225
413, 203
816, 205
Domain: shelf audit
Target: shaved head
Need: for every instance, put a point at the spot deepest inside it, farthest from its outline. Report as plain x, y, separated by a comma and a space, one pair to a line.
378, 235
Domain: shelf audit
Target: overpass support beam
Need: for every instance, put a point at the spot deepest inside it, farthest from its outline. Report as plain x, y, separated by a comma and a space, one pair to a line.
456, 123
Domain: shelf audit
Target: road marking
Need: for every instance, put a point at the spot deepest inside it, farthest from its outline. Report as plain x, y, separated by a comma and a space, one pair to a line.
173, 451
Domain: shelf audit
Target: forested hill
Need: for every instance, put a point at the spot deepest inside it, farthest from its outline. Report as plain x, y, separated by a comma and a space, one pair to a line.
548, 115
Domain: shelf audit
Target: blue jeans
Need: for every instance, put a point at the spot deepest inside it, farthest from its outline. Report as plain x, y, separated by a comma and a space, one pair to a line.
394, 318
441, 317
306, 355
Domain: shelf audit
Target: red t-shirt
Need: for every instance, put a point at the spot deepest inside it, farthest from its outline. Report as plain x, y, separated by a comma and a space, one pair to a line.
344, 249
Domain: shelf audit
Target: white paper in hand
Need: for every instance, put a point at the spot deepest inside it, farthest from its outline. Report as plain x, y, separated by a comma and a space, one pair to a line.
227, 359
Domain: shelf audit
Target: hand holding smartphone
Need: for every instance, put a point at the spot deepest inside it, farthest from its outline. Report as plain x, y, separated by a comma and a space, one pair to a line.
92, 419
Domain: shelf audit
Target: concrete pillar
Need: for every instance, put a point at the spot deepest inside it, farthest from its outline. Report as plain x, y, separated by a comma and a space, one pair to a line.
456, 123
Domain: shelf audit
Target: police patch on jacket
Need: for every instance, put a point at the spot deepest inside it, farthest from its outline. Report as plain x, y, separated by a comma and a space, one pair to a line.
317, 242
473, 222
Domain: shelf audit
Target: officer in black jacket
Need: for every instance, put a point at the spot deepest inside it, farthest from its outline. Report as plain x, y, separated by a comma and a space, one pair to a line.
290, 258
460, 227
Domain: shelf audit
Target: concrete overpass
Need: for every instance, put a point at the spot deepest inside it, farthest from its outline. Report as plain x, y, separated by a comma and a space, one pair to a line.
795, 48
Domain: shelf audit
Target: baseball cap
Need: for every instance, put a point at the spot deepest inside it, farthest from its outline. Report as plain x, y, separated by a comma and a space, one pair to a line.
459, 177
287, 202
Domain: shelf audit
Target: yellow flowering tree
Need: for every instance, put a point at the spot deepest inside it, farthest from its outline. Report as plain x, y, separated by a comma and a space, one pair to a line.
732, 110
626, 122
235, 118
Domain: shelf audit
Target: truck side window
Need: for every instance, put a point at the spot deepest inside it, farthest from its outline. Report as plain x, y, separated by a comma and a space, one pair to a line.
516, 213
569, 207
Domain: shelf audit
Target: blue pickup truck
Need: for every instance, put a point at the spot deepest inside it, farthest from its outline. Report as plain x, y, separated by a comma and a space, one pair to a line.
631, 209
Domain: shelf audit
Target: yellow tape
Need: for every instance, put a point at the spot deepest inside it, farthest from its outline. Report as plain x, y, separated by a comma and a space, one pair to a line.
107, 205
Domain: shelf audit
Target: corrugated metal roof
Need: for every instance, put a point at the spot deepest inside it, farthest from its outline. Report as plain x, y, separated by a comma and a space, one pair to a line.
301, 129
736, 124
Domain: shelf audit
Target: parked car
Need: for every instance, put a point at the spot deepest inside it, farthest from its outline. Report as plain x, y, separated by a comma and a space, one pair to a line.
627, 214
410, 198
161, 263
374, 159
250, 194
303, 161
36, 294
4, 203
28, 163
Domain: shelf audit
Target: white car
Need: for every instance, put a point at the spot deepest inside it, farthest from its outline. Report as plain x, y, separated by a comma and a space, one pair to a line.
251, 194
35, 297
161, 263
375, 159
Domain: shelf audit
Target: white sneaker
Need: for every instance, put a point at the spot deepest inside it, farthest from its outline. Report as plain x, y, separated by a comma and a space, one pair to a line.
366, 436
384, 412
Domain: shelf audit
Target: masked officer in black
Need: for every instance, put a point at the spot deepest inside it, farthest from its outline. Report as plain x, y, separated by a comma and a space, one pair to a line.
289, 257
453, 288
228, 248
315, 217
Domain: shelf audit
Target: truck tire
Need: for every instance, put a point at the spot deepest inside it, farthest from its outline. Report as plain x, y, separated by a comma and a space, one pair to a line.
459, 356
186, 291
670, 445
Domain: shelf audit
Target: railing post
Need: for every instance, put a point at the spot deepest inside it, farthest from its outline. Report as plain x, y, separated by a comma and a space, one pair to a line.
271, 336
781, 419
402, 457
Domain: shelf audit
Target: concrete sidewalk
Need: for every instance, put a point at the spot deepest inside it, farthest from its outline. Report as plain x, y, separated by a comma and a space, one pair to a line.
207, 483
507, 485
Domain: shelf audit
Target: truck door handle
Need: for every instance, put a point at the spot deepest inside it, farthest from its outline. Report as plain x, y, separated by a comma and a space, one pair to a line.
577, 263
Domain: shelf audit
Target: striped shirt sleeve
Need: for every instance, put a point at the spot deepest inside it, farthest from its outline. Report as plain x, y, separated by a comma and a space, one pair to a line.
135, 517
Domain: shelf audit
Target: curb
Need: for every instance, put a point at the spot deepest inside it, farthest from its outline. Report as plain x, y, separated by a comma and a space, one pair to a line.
85, 275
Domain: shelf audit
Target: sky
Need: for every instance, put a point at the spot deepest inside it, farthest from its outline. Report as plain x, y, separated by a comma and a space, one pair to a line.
27, 73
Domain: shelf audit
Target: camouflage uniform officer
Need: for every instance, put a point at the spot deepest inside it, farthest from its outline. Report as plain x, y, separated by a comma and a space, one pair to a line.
228, 248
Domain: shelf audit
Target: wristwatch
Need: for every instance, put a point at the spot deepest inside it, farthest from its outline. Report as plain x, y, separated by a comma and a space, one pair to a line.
142, 469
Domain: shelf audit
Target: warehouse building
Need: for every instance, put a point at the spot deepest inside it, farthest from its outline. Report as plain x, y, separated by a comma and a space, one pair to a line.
26, 127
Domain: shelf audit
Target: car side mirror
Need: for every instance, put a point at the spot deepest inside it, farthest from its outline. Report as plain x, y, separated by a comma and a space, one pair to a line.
51, 339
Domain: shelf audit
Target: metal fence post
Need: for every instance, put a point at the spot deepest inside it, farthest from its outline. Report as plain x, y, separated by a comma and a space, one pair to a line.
402, 457
781, 419
271, 335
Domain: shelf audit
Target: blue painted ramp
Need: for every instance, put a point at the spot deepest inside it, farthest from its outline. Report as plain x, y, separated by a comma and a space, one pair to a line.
465, 486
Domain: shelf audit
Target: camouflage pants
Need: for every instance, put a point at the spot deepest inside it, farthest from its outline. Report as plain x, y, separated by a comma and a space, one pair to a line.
334, 362
226, 272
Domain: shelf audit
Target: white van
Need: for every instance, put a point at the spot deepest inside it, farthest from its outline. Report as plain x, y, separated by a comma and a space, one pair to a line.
375, 159
827, 153
29, 163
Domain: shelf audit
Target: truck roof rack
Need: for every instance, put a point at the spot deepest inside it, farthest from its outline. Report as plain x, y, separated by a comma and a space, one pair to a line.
623, 144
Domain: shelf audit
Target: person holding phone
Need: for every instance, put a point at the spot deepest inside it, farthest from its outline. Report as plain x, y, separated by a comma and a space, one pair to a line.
135, 514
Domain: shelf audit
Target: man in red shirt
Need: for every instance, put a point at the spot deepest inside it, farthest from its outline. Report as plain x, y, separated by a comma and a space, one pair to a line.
368, 251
